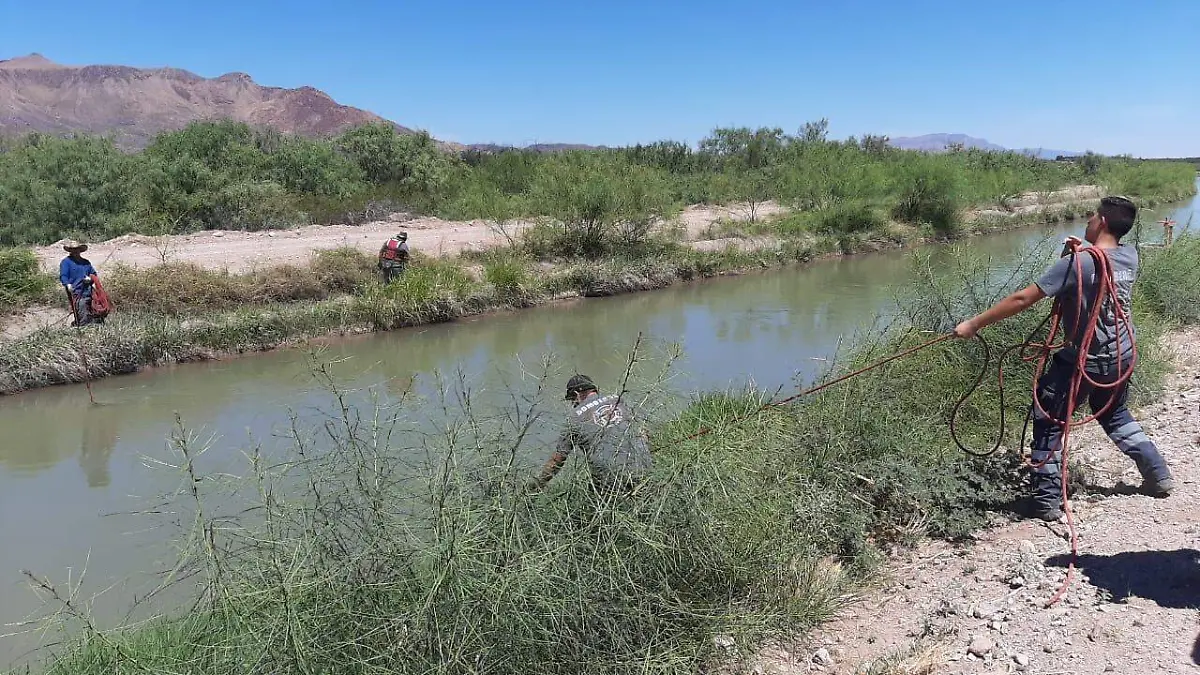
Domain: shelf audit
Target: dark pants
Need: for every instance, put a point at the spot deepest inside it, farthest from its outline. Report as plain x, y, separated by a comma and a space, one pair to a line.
1117, 422
83, 310
391, 271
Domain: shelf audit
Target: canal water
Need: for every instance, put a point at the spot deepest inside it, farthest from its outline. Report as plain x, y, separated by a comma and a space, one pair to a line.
71, 473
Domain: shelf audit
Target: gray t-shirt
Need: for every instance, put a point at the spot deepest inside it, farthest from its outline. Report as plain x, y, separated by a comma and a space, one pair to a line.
1059, 281
603, 429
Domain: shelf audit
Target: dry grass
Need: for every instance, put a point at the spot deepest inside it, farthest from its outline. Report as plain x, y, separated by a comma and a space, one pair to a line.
925, 656
182, 288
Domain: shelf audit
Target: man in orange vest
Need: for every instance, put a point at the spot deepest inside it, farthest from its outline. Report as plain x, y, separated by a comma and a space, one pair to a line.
393, 257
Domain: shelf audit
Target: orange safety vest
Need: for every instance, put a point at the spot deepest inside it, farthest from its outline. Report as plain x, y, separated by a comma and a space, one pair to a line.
391, 250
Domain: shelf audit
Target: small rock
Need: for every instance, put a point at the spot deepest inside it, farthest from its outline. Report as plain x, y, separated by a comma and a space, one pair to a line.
724, 642
981, 647
1110, 668
1017, 582
985, 611
1021, 660
823, 657
218, 234
1138, 623
1027, 547
996, 625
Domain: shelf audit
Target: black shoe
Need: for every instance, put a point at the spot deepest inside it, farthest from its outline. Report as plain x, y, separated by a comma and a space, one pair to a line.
1041, 511
1050, 514
1159, 488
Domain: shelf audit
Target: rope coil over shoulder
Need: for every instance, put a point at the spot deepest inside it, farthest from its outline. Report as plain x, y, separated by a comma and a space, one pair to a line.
1030, 350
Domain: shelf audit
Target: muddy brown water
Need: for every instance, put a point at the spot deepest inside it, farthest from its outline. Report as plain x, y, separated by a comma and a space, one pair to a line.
68, 471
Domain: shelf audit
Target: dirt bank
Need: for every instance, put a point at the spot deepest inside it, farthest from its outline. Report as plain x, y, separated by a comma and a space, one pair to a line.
240, 251
978, 608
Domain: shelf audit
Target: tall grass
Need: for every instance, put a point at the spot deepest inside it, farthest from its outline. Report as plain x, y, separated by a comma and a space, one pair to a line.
389, 542
1169, 279
1155, 182
511, 278
430, 291
181, 288
21, 282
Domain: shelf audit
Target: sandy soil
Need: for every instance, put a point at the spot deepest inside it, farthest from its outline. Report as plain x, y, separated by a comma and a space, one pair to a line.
240, 251
29, 320
978, 608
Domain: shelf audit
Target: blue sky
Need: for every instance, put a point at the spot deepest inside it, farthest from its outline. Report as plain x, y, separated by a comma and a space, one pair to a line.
1110, 76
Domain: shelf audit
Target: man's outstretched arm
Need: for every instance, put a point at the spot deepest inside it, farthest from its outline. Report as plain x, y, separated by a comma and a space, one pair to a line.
1012, 305
566, 442
550, 470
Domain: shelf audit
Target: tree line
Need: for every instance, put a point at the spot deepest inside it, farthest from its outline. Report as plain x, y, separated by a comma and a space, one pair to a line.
227, 175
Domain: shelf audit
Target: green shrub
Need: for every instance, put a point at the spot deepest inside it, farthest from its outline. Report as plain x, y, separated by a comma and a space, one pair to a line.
848, 218
21, 281
344, 269
429, 291
510, 277
1168, 279
595, 206
928, 194
1158, 181
604, 202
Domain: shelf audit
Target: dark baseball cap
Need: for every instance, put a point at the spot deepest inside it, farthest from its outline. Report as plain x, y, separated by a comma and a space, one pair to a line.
579, 383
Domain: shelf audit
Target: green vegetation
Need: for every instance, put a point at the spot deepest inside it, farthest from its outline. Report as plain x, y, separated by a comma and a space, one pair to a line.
223, 175
752, 532
21, 282
1167, 287
181, 289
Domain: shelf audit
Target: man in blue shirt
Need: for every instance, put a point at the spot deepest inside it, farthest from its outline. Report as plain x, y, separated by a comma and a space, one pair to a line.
75, 272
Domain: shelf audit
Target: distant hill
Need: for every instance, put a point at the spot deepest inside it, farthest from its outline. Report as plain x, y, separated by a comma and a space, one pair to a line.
536, 147
939, 143
135, 104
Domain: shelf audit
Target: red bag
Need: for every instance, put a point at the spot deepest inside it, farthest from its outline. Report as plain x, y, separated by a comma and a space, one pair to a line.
101, 305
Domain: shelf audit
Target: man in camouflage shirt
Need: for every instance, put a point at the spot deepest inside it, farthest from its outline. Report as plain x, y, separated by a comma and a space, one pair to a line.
601, 427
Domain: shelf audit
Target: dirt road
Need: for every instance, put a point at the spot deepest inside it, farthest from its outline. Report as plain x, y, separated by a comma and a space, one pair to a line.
240, 251
978, 608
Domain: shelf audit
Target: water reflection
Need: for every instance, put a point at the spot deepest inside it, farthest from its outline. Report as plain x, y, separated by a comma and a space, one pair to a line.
100, 436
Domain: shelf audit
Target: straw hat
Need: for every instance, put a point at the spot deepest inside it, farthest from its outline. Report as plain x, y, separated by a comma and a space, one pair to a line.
72, 246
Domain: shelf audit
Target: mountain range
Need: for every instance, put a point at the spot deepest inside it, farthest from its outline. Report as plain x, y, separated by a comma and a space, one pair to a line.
941, 142
133, 105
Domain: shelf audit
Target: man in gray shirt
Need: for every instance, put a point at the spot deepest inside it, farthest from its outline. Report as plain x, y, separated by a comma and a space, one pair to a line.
1068, 286
602, 428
